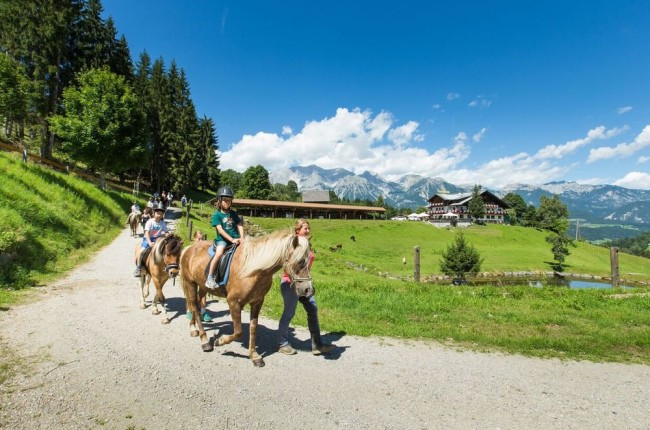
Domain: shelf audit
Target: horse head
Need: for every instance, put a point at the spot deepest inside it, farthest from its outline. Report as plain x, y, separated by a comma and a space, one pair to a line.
171, 248
297, 266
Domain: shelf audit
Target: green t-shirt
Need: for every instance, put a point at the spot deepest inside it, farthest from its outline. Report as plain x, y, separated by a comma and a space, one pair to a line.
228, 221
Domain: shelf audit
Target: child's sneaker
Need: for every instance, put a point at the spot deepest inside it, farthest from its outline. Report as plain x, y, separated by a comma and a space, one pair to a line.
205, 317
210, 282
138, 272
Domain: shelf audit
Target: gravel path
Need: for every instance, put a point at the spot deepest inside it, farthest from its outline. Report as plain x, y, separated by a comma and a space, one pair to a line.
95, 360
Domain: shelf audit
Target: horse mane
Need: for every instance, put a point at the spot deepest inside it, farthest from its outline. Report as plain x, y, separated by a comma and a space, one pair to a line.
171, 244
271, 250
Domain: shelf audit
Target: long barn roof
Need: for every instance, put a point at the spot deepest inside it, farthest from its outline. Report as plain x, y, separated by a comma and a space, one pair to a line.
282, 204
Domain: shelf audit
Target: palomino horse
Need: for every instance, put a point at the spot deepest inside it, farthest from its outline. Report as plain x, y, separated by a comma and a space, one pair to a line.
134, 220
160, 265
251, 275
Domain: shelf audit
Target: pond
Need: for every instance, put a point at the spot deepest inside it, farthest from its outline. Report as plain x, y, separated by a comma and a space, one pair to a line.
549, 281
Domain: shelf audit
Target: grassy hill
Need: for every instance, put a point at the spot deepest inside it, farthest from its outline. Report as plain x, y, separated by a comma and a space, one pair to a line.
49, 222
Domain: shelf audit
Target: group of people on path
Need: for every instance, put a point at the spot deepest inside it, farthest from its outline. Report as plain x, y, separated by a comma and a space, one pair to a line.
229, 230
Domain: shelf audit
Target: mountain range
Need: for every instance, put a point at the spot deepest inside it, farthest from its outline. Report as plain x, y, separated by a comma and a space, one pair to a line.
601, 211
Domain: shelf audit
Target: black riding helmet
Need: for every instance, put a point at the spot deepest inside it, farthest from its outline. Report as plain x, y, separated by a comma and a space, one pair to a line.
159, 208
225, 192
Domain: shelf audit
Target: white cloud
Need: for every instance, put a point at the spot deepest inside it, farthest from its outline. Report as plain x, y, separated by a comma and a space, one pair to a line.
518, 168
404, 134
437, 106
479, 136
643, 159
635, 180
480, 102
358, 140
452, 96
623, 149
624, 109
354, 140
559, 151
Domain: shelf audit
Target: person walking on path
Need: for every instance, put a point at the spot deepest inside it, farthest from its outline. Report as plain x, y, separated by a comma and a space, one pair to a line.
291, 299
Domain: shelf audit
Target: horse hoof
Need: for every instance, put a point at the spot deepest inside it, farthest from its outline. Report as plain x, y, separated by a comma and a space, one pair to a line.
207, 347
165, 321
155, 312
259, 363
194, 333
143, 306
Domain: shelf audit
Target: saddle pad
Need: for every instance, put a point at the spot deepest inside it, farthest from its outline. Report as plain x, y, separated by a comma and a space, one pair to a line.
223, 266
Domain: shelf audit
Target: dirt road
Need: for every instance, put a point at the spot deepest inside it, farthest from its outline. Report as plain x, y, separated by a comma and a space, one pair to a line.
95, 360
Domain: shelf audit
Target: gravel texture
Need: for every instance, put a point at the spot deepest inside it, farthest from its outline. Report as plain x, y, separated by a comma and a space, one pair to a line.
93, 359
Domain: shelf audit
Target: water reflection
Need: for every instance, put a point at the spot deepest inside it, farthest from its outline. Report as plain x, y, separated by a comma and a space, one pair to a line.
548, 282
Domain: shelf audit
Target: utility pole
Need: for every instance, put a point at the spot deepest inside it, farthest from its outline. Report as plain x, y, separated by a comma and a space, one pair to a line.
577, 220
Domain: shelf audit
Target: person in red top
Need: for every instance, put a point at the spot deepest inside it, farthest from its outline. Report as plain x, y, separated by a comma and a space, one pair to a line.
290, 303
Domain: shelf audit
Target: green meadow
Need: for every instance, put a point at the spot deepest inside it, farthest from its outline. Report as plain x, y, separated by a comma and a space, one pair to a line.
51, 222
363, 288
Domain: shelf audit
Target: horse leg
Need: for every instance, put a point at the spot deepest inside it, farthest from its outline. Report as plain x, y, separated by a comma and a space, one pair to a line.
160, 298
144, 292
257, 359
196, 325
235, 314
154, 302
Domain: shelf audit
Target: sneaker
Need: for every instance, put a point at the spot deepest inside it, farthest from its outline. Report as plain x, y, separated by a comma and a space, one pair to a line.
323, 349
287, 350
210, 282
138, 272
205, 317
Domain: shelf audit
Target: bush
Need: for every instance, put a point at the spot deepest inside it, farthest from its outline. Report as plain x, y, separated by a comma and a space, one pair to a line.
460, 258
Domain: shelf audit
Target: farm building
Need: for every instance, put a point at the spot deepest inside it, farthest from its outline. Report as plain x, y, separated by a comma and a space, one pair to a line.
282, 209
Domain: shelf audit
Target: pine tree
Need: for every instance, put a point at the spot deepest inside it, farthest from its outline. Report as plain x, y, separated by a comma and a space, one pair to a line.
476, 205
38, 34
158, 102
207, 162
460, 258
142, 90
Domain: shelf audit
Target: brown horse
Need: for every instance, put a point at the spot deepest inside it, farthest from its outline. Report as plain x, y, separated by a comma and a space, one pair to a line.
134, 220
251, 275
161, 264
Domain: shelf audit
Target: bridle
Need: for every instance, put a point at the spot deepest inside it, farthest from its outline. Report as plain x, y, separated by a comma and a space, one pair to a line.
171, 266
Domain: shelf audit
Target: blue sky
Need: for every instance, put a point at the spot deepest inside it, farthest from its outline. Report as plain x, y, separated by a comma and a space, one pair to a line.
487, 92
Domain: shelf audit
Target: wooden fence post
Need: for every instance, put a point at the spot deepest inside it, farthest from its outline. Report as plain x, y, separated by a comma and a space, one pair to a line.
189, 232
613, 256
416, 264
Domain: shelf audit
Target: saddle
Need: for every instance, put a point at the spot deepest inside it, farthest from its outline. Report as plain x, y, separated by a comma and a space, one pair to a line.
143, 258
222, 273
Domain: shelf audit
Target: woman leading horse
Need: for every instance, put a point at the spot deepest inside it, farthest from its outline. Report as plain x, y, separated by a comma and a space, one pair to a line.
251, 275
